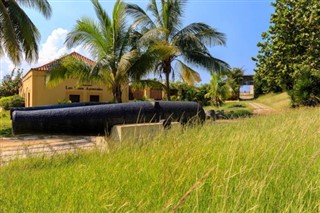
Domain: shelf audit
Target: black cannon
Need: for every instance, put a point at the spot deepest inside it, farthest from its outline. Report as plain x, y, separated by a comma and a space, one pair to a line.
54, 106
99, 119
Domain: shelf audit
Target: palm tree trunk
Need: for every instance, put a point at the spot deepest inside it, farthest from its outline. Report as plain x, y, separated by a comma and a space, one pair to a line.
117, 93
167, 70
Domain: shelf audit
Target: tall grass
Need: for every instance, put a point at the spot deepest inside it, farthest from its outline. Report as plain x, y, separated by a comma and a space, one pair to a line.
5, 123
263, 164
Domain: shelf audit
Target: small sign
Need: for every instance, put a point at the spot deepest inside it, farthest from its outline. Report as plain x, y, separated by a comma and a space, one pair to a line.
83, 88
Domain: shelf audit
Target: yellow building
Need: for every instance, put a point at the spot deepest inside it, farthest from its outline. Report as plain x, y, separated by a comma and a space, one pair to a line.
36, 93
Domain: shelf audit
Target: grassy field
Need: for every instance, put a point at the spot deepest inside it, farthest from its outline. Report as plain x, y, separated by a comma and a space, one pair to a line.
278, 101
263, 164
5, 123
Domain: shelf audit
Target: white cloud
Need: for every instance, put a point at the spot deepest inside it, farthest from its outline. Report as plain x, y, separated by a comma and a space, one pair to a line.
53, 48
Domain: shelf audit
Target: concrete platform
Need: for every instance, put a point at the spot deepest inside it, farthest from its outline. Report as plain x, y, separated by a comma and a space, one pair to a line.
23, 146
139, 131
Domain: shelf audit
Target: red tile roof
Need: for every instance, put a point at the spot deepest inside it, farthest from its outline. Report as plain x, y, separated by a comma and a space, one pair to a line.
73, 54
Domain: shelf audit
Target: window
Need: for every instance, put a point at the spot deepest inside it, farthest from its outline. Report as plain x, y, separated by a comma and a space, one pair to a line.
74, 98
94, 98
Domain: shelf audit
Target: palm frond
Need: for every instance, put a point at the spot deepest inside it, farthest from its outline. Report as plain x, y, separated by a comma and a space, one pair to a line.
189, 75
172, 12
104, 20
203, 32
153, 8
189, 42
42, 5
120, 30
205, 60
144, 63
154, 35
147, 83
165, 50
140, 17
68, 68
88, 34
26, 35
8, 37
126, 62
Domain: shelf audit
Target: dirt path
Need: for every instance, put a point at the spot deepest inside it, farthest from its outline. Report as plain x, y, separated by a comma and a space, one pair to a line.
29, 145
261, 109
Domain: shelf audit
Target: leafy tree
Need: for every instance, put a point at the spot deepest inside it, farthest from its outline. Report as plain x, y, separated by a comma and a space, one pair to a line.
219, 90
306, 90
18, 35
235, 79
109, 41
11, 83
291, 42
162, 32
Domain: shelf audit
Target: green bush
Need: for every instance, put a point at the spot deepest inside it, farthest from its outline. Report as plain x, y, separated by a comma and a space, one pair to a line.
242, 113
64, 101
4, 102
306, 90
11, 101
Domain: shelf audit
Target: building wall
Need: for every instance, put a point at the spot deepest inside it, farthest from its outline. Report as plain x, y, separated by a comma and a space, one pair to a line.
36, 93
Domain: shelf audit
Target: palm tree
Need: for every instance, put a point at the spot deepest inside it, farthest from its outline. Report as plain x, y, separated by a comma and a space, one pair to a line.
235, 79
218, 89
163, 32
108, 41
18, 35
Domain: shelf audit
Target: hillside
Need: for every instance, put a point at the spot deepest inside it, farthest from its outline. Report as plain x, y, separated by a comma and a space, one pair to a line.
263, 164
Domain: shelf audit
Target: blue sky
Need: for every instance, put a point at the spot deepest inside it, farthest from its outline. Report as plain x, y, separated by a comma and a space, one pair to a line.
242, 21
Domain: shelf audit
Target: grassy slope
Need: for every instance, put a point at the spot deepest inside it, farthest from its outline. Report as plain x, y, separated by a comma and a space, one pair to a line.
278, 101
263, 164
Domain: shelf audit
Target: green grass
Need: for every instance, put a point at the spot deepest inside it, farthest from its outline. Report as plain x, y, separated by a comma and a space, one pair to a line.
278, 101
233, 109
5, 123
263, 164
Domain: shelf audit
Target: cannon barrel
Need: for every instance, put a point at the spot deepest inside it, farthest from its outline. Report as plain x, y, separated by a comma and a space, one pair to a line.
99, 119
54, 106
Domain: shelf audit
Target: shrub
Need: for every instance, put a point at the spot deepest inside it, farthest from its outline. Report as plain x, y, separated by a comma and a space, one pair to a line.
64, 101
4, 103
17, 101
306, 90
7, 103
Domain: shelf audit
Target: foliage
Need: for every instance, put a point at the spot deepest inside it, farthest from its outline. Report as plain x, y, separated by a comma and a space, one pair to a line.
306, 89
290, 43
11, 83
162, 33
64, 101
235, 79
185, 92
18, 34
11, 101
108, 40
219, 90
240, 113
234, 167
231, 110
